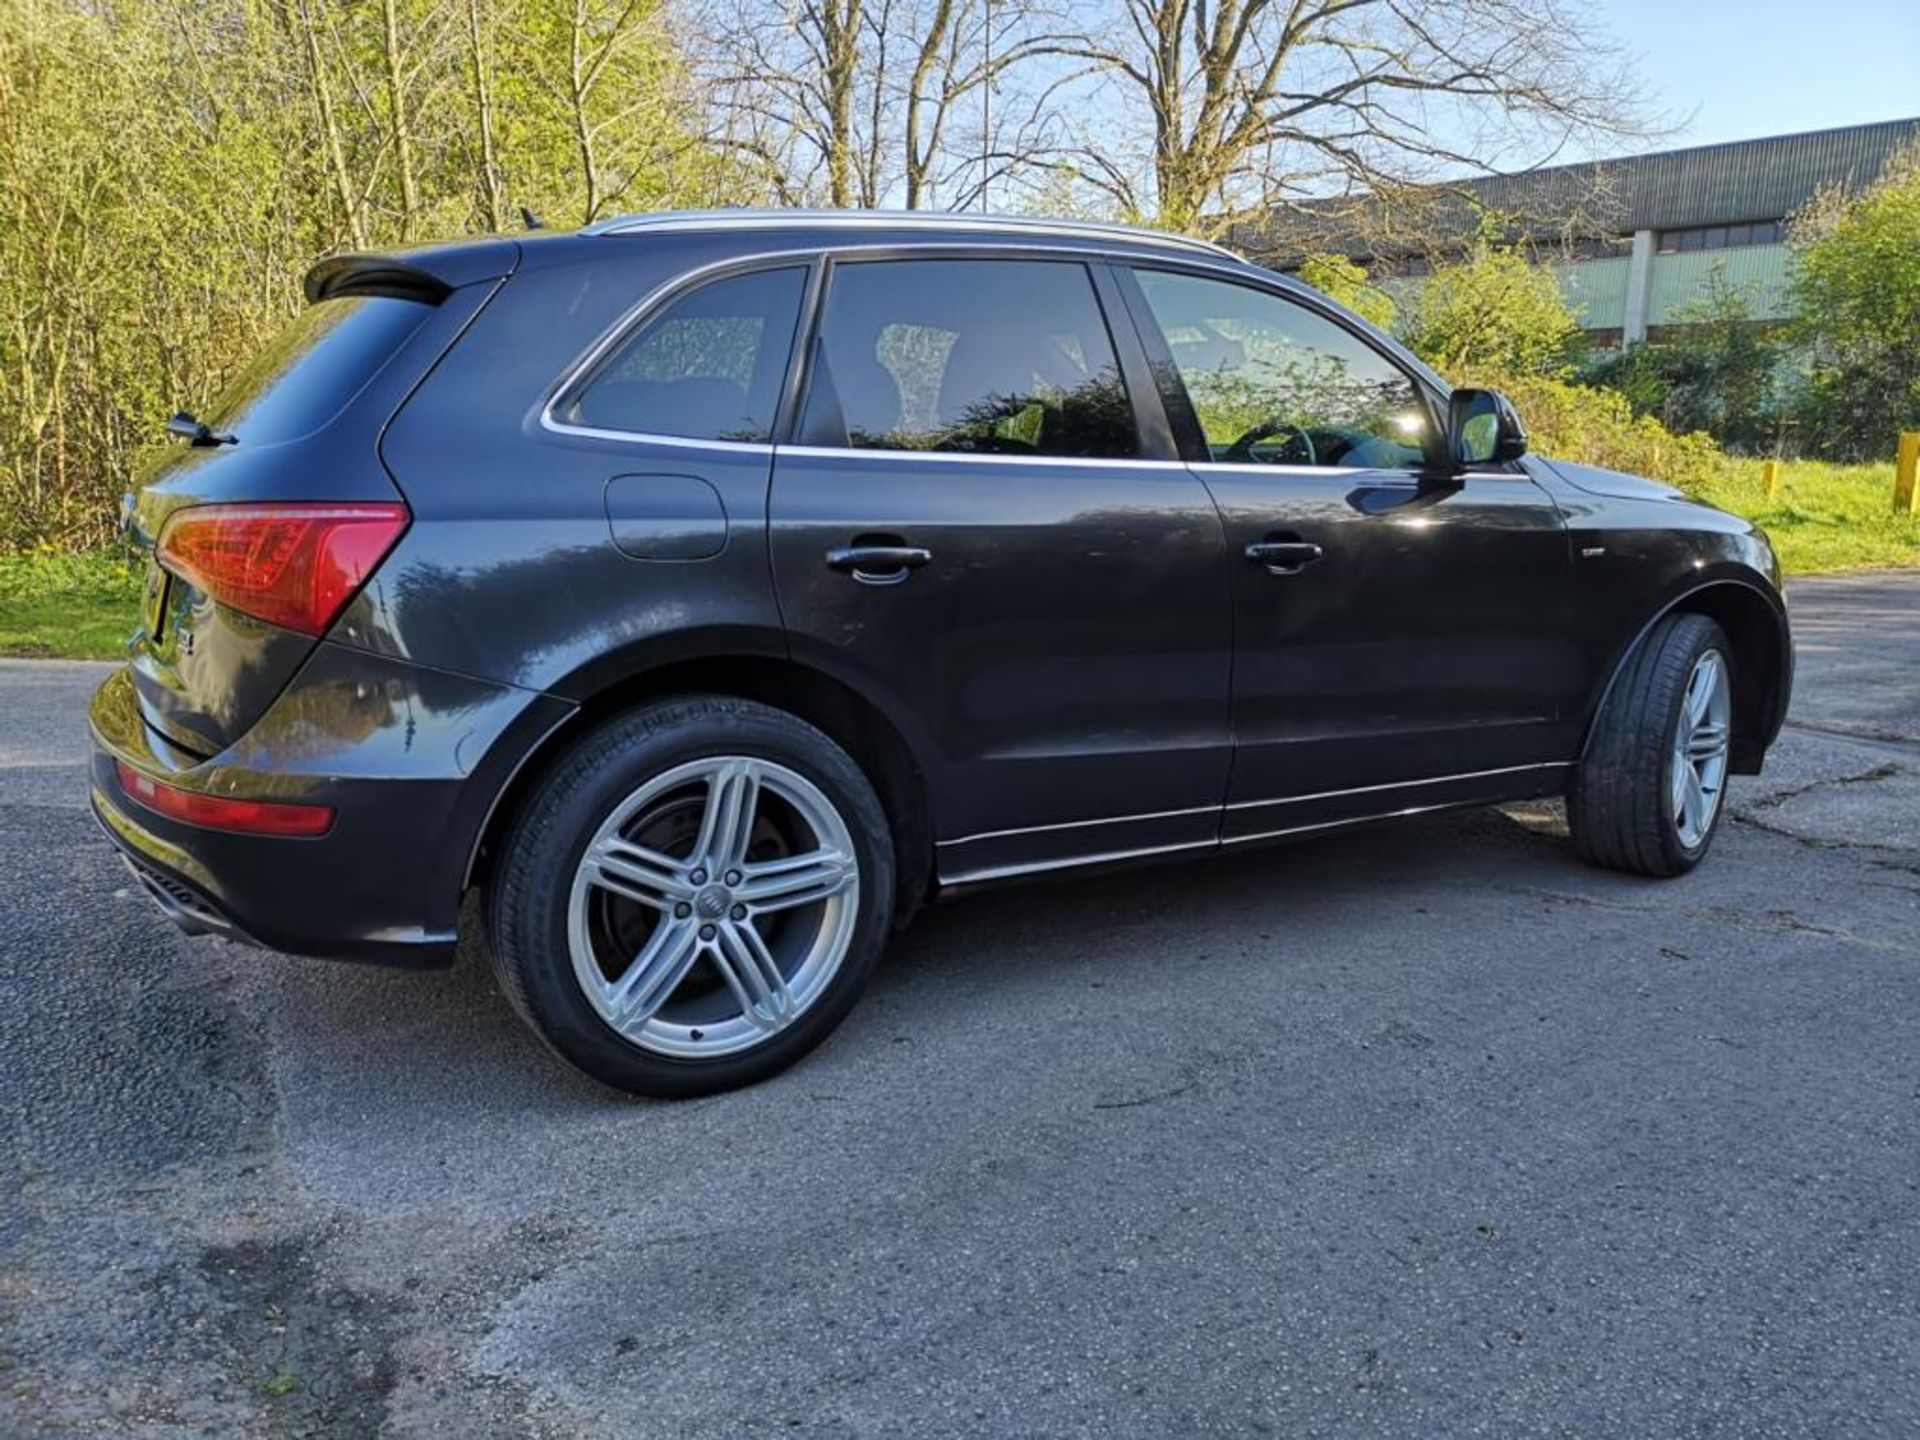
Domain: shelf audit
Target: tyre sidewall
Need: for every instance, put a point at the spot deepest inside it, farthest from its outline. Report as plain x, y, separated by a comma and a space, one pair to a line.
1620, 808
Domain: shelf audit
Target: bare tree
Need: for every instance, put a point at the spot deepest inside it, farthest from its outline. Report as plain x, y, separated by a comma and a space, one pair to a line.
1243, 105
872, 102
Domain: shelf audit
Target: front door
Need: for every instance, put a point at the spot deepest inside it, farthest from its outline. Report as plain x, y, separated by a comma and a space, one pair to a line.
1402, 637
971, 528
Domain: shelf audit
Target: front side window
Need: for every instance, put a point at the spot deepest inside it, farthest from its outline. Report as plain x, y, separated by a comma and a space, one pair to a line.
993, 357
1272, 382
708, 367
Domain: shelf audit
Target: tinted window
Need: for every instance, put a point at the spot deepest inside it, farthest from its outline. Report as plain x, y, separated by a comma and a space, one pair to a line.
1271, 381
309, 371
993, 357
709, 367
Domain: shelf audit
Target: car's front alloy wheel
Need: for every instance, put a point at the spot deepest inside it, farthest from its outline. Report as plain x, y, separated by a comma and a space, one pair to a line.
1648, 794
1698, 767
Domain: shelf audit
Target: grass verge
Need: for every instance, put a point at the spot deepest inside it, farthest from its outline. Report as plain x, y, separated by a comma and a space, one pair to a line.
1826, 518
79, 606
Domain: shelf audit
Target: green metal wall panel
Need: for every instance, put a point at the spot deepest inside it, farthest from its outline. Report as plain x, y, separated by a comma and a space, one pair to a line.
1596, 289
1763, 271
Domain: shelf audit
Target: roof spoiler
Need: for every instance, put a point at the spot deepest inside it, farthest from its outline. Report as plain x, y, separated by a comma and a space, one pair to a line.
374, 275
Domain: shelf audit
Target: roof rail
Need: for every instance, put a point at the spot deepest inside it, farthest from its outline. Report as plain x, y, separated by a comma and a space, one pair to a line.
747, 219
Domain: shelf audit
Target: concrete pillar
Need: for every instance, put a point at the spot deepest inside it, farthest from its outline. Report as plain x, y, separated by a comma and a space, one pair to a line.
1639, 289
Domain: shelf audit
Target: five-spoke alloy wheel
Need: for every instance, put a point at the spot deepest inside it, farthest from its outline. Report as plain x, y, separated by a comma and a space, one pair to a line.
713, 906
693, 897
1699, 769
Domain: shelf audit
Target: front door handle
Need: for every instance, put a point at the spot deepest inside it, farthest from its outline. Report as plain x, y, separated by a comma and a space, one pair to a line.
878, 564
1284, 557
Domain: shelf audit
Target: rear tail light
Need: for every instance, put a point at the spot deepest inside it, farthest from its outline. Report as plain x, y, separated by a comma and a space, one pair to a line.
216, 812
293, 565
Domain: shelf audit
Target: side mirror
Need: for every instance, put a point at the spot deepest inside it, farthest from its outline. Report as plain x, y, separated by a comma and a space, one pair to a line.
1483, 429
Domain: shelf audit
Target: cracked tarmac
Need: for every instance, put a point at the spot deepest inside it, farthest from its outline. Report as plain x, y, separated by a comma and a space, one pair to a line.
1429, 1131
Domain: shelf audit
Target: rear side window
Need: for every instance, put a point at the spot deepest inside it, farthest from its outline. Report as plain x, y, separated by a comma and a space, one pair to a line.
996, 357
309, 371
708, 367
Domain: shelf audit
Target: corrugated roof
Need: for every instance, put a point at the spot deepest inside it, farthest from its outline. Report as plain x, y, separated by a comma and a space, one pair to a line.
1764, 179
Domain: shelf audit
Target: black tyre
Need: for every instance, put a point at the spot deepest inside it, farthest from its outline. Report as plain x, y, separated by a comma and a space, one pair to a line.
1648, 796
693, 896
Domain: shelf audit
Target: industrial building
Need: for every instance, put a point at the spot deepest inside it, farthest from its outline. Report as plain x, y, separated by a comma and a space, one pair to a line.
1632, 240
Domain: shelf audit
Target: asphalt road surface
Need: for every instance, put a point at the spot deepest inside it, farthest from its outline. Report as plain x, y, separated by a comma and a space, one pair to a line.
1431, 1131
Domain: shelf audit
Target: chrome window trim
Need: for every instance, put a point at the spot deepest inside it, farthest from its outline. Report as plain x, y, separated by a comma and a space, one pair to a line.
1298, 472
669, 221
1258, 804
663, 294
835, 452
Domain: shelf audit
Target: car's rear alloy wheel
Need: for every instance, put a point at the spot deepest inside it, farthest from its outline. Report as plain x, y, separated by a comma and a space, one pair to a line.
713, 906
693, 896
1649, 793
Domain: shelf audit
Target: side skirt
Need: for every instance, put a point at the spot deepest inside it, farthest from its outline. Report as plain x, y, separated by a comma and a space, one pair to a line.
1257, 822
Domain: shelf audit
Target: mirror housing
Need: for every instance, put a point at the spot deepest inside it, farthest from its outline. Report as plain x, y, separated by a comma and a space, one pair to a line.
1483, 429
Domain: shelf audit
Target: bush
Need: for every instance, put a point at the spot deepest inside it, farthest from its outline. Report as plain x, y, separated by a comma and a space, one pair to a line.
1719, 375
1857, 291
1598, 427
1496, 311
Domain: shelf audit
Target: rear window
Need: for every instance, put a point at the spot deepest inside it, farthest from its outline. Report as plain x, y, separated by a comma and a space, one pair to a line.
309, 371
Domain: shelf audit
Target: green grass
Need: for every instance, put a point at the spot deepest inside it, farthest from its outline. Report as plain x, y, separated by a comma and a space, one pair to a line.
74, 605
1826, 518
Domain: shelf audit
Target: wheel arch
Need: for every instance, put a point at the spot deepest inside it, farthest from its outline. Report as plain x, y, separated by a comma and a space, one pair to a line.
854, 722
1755, 624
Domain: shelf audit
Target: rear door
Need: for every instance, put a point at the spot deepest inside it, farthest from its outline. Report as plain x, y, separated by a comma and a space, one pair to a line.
1402, 634
975, 527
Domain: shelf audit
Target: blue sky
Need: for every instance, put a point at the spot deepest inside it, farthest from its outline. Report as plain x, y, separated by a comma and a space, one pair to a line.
1736, 69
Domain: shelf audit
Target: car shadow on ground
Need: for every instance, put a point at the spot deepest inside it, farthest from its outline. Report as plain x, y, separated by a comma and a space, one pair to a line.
354, 1032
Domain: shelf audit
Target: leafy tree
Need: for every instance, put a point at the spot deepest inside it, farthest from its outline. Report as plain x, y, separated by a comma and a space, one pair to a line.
1493, 311
1857, 292
168, 171
1339, 278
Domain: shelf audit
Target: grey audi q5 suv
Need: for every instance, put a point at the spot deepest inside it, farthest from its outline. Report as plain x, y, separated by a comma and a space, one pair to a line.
710, 591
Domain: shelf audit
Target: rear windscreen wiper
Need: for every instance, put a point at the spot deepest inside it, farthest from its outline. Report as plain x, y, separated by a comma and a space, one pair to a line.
197, 432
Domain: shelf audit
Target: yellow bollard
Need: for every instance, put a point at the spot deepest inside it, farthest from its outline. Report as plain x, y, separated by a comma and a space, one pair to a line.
1906, 474
1770, 477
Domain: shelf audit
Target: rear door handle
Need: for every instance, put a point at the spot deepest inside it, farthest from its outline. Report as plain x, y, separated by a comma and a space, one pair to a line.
878, 564
1284, 557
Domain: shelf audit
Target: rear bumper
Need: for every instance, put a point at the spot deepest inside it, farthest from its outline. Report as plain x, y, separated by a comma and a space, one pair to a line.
410, 759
